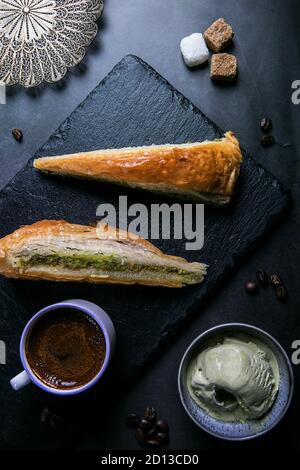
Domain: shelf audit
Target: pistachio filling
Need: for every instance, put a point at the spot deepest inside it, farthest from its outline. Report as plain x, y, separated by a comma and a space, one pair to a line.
101, 262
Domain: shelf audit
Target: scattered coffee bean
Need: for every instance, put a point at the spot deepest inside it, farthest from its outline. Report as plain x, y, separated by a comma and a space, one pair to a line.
151, 433
276, 281
281, 292
162, 425
266, 125
279, 287
150, 414
267, 140
17, 134
262, 277
140, 436
45, 415
132, 419
144, 424
162, 437
153, 443
251, 288
149, 430
55, 422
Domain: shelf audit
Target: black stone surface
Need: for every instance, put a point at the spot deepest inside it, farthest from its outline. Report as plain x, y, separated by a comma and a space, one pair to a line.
132, 106
267, 48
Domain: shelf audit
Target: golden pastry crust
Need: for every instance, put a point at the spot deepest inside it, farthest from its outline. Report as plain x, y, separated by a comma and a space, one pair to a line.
45, 230
187, 169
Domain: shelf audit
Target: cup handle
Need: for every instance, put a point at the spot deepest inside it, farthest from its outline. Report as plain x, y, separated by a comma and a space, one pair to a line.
20, 380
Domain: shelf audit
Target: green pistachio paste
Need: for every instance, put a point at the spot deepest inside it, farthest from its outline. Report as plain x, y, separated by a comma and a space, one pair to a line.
111, 263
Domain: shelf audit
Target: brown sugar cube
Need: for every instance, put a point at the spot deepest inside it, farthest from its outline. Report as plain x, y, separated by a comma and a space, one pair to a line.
219, 35
223, 67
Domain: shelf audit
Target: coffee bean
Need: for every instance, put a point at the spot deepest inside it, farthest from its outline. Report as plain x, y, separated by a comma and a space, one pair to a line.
150, 414
151, 433
149, 430
162, 425
251, 288
162, 437
45, 415
17, 134
132, 419
276, 280
140, 436
266, 125
267, 140
279, 287
144, 424
153, 442
262, 277
55, 422
281, 292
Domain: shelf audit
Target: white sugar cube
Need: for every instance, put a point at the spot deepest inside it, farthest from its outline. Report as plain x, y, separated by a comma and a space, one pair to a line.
194, 50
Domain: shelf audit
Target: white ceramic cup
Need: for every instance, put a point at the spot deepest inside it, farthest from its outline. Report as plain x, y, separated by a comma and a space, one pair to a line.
89, 308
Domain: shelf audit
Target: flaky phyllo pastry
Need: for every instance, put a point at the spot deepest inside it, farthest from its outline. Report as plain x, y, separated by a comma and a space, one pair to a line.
204, 172
60, 251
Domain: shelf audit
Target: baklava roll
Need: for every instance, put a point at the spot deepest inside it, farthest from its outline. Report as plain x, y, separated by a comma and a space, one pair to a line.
60, 251
202, 172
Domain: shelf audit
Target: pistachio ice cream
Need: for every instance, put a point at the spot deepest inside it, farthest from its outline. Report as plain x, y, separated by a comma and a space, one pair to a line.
234, 379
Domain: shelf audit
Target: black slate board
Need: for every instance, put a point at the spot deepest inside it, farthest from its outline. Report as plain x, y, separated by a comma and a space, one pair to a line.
132, 106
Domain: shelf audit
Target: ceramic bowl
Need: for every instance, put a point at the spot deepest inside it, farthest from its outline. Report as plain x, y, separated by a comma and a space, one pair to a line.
250, 429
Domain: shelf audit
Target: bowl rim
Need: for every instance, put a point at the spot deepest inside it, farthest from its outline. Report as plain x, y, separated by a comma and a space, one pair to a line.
245, 326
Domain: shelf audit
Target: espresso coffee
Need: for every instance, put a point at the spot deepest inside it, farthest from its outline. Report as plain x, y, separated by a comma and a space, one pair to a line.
65, 349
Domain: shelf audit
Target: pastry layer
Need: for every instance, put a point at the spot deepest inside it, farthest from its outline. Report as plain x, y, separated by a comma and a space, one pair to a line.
57, 250
205, 171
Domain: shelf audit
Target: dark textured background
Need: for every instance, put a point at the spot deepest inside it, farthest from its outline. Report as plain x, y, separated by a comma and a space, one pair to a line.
267, 50
114, 115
